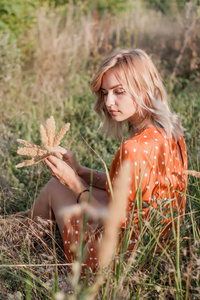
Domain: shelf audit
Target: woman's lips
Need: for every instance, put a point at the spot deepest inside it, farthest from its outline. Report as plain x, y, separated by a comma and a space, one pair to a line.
113, 112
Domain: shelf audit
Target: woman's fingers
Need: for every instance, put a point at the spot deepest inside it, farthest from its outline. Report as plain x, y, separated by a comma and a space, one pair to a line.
55, 172
51, 166
64, 173
53, 160
59, 169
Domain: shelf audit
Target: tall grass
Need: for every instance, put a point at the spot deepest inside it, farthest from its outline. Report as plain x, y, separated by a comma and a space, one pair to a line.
47, 73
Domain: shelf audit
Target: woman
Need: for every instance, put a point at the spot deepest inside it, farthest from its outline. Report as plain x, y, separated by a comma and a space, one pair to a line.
130, 93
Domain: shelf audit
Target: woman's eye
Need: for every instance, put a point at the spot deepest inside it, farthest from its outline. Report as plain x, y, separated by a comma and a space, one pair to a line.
104, 93
119, 92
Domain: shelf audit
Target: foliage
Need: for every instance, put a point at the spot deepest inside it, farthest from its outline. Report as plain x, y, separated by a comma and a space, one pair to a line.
20, 15
17, 15
113, 6
10, 59
166, 6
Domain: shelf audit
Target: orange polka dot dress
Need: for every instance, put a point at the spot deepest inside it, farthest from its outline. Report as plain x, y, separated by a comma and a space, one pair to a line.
75, 230
158, 170
157, 176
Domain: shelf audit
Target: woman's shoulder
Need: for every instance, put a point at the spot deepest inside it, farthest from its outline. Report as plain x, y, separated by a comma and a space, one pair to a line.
140, 144
147, 137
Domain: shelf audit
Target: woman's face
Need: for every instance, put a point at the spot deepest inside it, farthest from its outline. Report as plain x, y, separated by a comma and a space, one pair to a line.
119, 103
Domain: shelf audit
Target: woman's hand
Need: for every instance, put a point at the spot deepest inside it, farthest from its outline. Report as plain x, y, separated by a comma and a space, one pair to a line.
64, 173
69, 158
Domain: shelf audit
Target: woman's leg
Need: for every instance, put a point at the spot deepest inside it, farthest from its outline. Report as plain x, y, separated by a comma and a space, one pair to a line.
55, 197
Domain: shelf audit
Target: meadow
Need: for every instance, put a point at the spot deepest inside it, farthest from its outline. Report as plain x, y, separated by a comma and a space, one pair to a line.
46, 68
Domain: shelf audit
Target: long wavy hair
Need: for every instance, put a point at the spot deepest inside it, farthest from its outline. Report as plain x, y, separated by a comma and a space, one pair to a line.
140, 78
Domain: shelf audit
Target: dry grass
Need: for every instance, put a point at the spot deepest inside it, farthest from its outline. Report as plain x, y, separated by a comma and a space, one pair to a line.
115, 216
15, 230
193, 173
27, 246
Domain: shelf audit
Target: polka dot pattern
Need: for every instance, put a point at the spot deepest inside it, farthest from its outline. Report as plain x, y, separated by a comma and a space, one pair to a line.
157, 167
72, 239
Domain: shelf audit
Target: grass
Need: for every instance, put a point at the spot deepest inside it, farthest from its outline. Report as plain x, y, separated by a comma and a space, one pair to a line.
38, 81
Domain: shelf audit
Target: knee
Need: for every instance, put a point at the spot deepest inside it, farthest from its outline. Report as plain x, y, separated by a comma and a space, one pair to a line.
50, 188
47, 191
53, 188
42, 206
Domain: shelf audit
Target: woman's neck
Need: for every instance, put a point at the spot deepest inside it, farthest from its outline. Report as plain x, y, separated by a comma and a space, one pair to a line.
138, 126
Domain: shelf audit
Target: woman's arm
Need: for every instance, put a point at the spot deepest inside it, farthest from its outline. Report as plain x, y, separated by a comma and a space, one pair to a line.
92, 177
67, 176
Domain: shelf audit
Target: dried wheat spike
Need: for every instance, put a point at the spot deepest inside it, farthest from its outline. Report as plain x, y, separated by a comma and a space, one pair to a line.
43, 136
27, 144
61, 134
32, 161
50, 131
57, 154
37, 159
31, 151
192, 173
49, 141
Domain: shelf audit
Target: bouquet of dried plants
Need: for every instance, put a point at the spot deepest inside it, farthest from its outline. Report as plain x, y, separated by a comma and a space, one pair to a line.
49, 140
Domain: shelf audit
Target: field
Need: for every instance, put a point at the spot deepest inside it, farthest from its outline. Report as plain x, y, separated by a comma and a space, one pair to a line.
46, 68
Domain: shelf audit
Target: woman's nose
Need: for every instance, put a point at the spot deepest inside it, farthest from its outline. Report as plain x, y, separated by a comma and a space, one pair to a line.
109, 101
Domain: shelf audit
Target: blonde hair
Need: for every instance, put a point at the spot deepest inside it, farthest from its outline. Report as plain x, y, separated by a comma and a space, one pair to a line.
140, 78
